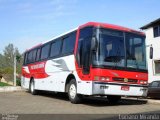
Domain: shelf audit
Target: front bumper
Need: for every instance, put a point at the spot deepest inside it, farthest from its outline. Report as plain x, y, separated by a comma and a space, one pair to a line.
102, 88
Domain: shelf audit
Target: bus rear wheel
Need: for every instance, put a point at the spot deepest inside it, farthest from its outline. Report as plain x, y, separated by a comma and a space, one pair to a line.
32, 88
113, 99
72, 92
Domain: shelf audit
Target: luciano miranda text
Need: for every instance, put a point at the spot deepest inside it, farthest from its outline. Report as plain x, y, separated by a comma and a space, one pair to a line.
139, 117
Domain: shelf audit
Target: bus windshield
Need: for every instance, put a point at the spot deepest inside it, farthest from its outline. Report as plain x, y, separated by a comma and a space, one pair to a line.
120, 50
135, 51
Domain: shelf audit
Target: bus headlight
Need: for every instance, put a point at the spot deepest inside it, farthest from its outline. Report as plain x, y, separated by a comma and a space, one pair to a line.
101, 78
143, 82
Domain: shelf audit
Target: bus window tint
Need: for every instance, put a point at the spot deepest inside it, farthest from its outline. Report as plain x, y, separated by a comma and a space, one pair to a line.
29, 57
85, 33
25, 58
34, 55
55, 48
68, 44
45, 52
38, 54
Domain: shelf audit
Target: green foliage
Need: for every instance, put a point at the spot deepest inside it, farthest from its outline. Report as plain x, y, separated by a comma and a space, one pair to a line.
3, 84
8, 70
1, 72
18, 82
18, 58
2, 61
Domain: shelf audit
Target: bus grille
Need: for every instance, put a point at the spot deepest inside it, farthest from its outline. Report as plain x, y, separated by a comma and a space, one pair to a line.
122, 80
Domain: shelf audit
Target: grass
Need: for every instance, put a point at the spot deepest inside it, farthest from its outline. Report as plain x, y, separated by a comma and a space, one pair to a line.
3, 84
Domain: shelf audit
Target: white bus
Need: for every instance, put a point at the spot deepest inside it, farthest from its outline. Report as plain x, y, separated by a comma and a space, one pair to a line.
93, 59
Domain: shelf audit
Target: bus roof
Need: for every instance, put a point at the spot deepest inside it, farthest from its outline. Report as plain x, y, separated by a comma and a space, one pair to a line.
112, 26
96, 24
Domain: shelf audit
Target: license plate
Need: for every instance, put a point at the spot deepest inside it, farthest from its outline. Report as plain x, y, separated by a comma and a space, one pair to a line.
125, 88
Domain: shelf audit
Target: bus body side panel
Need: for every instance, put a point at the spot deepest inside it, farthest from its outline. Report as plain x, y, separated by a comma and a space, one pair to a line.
59, 69
83, 87
25, 82
51, 76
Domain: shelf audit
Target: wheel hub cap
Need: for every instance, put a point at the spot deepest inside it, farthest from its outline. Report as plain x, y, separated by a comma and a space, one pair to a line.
72, 91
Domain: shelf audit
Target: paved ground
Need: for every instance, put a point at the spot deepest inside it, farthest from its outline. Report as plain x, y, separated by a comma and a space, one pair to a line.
49, 103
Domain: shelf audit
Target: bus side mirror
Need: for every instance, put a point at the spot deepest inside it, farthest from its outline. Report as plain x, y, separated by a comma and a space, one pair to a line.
94, 44
151, 53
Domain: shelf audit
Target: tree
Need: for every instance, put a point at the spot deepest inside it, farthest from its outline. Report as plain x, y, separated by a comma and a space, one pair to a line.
8, 59
9, 52
7, 62
2, 61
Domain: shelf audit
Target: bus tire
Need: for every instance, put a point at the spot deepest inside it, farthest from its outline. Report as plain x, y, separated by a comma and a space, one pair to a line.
32, 88
113, 99
72, 92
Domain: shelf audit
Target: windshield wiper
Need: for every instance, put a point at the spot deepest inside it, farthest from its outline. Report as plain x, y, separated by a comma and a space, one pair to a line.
131, 57
113, 59
136, 64
117, 57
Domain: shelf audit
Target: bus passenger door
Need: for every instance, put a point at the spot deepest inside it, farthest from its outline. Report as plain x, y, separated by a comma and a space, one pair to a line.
86, 56
83, 59
83, 55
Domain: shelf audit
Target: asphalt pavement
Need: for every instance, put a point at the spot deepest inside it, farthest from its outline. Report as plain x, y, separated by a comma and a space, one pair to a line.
49, 105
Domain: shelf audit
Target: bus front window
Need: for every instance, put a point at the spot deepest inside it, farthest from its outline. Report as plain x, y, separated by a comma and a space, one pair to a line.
111, 48
135, 51
118, 49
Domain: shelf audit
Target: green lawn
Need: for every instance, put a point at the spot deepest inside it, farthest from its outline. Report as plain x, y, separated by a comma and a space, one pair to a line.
3, 84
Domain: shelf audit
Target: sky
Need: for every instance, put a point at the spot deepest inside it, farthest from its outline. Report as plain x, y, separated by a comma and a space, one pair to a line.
26, 23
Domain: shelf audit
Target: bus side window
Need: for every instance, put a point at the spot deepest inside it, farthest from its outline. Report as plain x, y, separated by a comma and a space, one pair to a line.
38, 54
69, 43
29, 57
45, 51
55, 48
25, 59
34, 55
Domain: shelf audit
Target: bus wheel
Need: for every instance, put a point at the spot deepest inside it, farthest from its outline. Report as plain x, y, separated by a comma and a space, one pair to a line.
113, 99
72, 92
31, 88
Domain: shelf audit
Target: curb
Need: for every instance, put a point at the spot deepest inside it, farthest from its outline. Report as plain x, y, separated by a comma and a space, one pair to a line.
10, 89
152, 101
